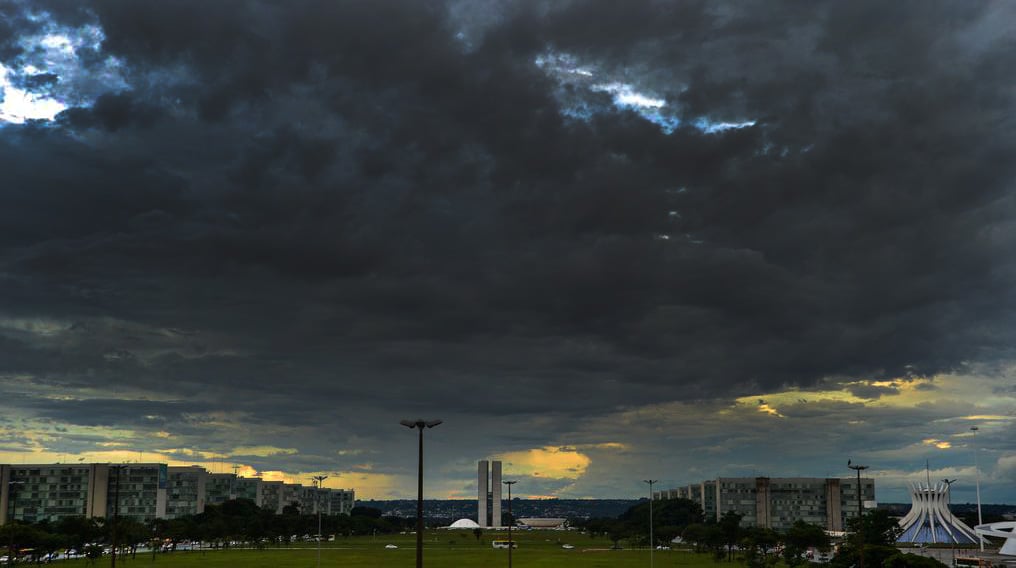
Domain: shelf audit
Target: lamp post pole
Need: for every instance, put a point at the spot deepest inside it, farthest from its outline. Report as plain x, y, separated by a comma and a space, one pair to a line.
651, 543
116, 513
319, 479
977, 471
860, 514
420, 425
10, 522
511, 520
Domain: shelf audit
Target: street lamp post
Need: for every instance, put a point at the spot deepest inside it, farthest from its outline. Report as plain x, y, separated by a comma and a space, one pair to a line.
977, 471
10, 523
511, 520
319, 479
420, 425
651, 543
116, 513
860, 514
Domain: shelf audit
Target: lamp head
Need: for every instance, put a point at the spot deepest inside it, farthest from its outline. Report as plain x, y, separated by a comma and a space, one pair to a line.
433, 423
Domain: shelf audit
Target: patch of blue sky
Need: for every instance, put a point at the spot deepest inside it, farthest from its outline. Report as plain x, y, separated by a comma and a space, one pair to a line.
562, 64
712, 127
19, 105
579, 111
55, 54
567, 70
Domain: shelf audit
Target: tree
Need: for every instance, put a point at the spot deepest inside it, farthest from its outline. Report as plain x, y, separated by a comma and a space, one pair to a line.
77, 531
598, 526
670, 518
477, 532
799, 538
370, 512
901, 560
93, 552
730, 529
877, 527
666, 512
292, 509
618, 532
757, 543
875, 533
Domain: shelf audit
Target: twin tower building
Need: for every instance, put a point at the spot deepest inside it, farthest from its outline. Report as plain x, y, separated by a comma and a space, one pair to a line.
488, 493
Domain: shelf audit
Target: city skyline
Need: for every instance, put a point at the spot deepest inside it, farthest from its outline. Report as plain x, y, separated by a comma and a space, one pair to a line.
603, 241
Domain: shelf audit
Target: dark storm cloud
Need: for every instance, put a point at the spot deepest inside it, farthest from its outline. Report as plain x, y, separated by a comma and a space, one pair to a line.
350, 198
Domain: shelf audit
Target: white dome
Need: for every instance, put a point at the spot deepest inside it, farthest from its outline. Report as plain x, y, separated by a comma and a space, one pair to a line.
464, 524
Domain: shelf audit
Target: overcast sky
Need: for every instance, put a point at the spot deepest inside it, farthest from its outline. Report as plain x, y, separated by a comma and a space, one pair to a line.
601, 240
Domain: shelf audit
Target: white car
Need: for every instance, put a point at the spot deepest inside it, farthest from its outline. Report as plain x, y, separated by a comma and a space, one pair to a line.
567, 546
390, 546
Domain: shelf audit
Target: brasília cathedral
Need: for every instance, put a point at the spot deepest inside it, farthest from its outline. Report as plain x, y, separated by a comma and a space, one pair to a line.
930, 521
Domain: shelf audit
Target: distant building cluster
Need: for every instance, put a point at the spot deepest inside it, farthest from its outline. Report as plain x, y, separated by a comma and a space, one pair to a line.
778, 502
146, 491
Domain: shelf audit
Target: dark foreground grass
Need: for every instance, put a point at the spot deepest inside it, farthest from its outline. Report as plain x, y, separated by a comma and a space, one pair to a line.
443, 550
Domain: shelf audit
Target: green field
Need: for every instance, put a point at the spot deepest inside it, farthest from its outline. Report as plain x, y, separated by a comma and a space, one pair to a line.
441, 549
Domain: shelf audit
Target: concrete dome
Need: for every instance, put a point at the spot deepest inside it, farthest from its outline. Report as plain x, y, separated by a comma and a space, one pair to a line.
464, 524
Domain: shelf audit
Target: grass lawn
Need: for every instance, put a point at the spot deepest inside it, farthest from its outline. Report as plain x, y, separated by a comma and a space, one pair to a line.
538, 549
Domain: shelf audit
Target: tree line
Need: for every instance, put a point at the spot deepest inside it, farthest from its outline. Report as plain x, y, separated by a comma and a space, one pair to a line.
233, 523
872, 537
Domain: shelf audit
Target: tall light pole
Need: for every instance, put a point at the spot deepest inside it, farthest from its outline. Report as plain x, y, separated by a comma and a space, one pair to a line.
860, 514
116, 513
319, 479
511, 520
977, 471
651, 543
10, 522
419, 424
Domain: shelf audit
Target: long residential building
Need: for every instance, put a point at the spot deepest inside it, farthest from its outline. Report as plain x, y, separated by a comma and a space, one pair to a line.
778, 502
146, 491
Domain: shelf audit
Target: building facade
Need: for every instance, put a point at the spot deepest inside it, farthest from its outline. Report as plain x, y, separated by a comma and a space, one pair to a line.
137, 491
34, 493
292, 494
185, 493
779, 502
249, 488
271, 496
340, 501
146, 491
219, 488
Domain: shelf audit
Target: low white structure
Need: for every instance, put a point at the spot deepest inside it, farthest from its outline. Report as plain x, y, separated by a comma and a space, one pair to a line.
930, 521
1006, 530
543, 523
464, 524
